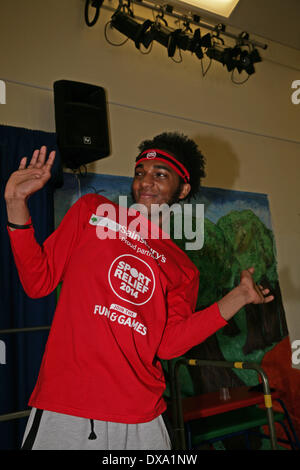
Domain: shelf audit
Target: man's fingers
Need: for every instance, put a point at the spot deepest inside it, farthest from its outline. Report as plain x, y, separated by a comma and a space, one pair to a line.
261, 289
41, 157
262, 292
23, 163
34, 158
50, 160
38, 160
269, 298
258, 290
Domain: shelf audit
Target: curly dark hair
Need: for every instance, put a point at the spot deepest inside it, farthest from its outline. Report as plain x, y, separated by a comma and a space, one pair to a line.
185, 150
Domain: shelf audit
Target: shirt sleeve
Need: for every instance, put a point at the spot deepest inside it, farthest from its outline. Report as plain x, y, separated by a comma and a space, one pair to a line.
41, 267
186, 328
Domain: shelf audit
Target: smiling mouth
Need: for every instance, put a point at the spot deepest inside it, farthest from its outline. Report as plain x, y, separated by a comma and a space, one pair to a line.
147, 196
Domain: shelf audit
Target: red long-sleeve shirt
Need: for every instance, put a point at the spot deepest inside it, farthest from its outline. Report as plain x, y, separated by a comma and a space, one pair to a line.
125, 302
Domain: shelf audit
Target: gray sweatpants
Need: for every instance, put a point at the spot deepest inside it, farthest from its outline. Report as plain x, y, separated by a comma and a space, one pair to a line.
47, 430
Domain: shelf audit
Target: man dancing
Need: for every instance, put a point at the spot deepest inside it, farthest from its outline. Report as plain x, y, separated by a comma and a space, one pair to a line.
122, 306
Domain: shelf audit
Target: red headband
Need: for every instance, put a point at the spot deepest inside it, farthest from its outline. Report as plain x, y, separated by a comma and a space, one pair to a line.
161, 155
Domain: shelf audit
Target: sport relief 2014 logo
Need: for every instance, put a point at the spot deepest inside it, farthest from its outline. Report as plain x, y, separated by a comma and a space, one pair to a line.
131, 279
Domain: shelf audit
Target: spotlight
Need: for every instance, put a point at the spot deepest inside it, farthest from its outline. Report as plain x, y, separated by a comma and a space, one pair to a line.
235, 58
246, 61
198, 42
226, 56
216, 53
180, 39
206, 40
255, 56
158, 33
229, 57
187, 42
126, 25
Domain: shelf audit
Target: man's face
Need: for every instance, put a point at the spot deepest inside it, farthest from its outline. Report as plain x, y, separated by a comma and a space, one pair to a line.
156, 182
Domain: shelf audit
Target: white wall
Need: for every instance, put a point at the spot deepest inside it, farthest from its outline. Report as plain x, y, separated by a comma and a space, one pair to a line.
249, 133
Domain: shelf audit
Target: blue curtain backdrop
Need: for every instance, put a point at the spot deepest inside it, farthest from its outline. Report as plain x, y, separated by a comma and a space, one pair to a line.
21, 353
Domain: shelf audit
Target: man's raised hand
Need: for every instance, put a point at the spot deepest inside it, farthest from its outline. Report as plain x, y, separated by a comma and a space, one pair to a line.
27, 180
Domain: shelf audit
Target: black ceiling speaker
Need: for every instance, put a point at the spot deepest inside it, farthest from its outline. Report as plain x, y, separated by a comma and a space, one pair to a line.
81, 119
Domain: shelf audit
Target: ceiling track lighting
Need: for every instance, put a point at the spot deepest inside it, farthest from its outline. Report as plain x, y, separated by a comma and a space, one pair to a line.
235, 58
148, 31
128, 26
240, 57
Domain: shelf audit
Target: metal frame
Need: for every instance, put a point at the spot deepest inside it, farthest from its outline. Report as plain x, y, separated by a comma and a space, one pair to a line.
180, 438
23, 413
